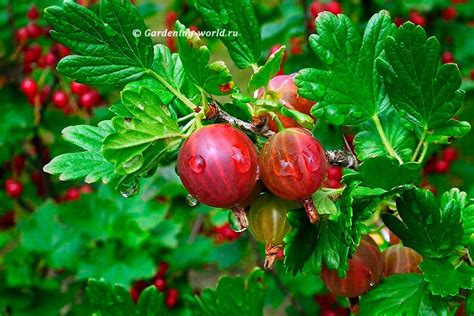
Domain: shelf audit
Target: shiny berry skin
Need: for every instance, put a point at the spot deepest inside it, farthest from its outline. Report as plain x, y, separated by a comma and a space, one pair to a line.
171, 298
287, 93
267, 219
416, 18
171, 17
79, 88
398, 259
72, 194
13, 188
160, 284
450, 154
442, 166
60, 99
293, 164
315, 8
21, 35
29, 87
365, 271
34, 30
89, 99
218, 165
32, 53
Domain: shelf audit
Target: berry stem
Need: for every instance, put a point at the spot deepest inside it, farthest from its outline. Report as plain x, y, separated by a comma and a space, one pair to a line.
310, 209
384, 138
241, 216
271, 252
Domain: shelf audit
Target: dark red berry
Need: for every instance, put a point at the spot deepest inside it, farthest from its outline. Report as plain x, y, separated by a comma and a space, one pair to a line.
34, 30
170, 18
79, 88
293, 164
60, 99
417, 18
398, 21
162, 269
398, 259
218, 165
32, 53
29, 87
471, 74
171, 298
137, 289
447, 58
442, 166
33, 13
21, 35
61, 50
13, 188
89, 99
450, 154
365, 271
72, 194
160, 284
7, 220
449, 13
226, 88
50, 60
315, 8
335, 172
334, 7
19, 163
461, 311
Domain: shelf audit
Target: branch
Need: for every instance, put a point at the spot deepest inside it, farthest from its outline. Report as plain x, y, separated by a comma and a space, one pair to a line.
215, 113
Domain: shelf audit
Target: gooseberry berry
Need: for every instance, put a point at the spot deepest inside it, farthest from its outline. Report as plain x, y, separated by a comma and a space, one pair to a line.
293, 167
268, 224
398, 259
218, 166
365, 271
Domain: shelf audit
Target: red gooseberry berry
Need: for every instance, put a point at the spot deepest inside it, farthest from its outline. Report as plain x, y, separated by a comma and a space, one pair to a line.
79, 88
398, 259
29, 87
89, 99
13, 188
365, 271
293, 167
60, 99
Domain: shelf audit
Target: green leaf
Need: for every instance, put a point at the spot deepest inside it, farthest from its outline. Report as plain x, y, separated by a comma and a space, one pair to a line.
468, 226
426, 93
407, 294
108, 299
323, 203
90, 164
452, 128
444, 279
348, 90
195, 58
238, 19
431, 229
263, 74
152, 303
106, 50
385, 173
233, 296
368, 143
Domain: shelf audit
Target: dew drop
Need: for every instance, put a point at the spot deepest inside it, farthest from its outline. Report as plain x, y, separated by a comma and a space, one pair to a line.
129, 189
240, 158
197, 163
191, 200
288, 169
309, 161
234, 224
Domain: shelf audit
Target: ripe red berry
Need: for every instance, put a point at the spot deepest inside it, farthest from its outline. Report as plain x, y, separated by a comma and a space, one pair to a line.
293, 165
171, 298
218, 166
13, 188
19, 163
226, 88
447, 57
137, 289
33, 13
334, 7
34, 30
315, 8
160, 284
29, 87
162, 269
442, 166
61, 50
417, 18
50, 60
450, 154
449, 13
398, 259
335, 172
171, 17
72, 194
365, 271
7, 220
461, 311
32, 53
471, 74
89, 99
398, 21
60, 99
79, 88
21, 35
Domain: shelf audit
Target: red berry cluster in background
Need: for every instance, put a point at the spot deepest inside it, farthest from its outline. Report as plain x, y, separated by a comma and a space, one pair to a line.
159, 281
224, 234
441, 163
318, 7
330, 306
334, 177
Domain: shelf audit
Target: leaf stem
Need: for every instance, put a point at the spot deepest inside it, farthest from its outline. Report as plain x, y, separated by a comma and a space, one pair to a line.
423, 153
420, 143
385, 141
178, 94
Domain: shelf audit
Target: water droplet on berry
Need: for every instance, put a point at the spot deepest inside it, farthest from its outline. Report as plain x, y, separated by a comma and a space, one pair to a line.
130, 188
309, 161
191, 200
288, 169
234, 223
197, 163
240, 158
